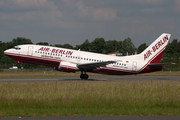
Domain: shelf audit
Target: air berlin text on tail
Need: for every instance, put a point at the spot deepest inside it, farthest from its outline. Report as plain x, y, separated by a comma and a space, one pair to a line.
156, 47
58, 51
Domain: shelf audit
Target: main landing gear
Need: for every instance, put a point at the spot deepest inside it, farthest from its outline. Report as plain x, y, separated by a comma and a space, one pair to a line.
84, 76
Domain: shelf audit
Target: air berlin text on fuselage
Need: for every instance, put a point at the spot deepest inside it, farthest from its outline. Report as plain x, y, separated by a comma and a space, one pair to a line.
58, 51
156, 47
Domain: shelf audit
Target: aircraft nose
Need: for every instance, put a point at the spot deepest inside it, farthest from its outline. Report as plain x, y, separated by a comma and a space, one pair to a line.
6, 51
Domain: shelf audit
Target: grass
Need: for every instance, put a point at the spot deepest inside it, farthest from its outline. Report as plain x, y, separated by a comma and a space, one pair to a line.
88, 98
30, 74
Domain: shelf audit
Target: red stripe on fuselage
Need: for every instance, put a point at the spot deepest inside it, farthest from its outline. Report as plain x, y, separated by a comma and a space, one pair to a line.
34, 59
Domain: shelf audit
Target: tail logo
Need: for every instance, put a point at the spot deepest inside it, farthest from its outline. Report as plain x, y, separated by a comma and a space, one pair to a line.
156, 47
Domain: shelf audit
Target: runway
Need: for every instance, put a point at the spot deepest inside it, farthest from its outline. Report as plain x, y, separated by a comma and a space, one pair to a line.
97, 78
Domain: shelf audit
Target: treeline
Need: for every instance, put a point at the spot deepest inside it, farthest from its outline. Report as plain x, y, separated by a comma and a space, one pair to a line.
98, 45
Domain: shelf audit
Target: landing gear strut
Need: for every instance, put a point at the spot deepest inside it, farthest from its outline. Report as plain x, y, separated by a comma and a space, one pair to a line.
84, 76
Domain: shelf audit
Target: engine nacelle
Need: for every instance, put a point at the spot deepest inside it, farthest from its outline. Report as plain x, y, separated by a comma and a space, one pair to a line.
67, 66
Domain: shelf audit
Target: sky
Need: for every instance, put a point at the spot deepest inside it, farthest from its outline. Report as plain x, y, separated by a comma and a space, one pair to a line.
74, 21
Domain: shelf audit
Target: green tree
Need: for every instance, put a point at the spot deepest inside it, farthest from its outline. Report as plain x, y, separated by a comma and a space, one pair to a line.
42, 43
86, 46
113, 46
57, 45
98, 45
68, 46
141, 48
128, 46
172, 50
175, 48
20, 41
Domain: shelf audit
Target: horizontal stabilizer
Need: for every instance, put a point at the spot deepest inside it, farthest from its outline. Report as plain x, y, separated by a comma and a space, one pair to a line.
160, 64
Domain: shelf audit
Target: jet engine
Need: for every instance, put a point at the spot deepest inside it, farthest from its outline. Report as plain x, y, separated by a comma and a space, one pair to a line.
67, 66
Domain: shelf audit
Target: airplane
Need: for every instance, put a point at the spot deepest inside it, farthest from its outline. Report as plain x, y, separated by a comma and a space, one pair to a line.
68, 60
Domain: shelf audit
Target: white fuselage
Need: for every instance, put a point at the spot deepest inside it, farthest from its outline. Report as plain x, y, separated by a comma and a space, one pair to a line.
52, 56
60, 57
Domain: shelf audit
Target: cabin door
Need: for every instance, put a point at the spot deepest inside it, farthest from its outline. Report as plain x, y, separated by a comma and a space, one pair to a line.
30, 50
134, 66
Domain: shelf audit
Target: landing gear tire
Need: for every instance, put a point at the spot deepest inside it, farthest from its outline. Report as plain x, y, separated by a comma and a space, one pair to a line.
84, 76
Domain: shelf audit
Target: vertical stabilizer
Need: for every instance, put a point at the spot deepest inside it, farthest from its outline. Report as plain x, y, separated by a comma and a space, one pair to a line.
154, 52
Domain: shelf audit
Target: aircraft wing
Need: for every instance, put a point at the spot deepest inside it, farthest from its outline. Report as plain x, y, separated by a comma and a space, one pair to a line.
95, 65
160, 64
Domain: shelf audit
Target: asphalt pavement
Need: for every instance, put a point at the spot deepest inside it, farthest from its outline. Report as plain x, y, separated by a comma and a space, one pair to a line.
95, 78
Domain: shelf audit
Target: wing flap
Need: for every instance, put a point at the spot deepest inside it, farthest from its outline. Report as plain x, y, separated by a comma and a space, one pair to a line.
96, 65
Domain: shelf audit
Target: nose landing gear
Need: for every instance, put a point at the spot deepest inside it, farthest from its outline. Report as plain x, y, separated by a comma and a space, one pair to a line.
84, 76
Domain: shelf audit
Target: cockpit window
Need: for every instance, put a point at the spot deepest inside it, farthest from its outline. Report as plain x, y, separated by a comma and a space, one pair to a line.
17, 48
